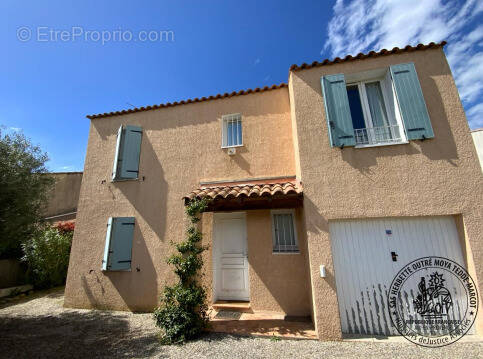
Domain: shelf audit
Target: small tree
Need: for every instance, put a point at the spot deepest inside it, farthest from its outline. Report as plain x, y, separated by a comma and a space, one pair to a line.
183, 311
23, 188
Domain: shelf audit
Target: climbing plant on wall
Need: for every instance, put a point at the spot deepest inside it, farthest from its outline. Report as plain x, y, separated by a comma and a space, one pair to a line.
182, 314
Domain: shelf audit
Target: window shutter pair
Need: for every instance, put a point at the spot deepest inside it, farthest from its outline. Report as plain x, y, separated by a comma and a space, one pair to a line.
409, 95
128, 150
118, 247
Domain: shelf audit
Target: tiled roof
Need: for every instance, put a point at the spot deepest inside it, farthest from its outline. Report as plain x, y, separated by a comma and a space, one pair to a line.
169, 104
361, 56
245, 190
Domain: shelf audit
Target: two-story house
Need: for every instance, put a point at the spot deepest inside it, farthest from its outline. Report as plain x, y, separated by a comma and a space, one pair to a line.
321, 190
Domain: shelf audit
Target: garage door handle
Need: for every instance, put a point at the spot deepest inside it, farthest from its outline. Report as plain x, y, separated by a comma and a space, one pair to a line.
394, 256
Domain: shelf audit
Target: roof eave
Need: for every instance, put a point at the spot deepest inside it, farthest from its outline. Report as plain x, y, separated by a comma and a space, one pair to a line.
371, 54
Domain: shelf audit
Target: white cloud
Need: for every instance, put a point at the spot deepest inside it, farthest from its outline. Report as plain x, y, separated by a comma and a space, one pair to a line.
475, 116
362, 25
15, 129
65, 168
257, 61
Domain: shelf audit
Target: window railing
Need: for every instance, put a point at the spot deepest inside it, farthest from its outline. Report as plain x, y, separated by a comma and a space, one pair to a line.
377, 135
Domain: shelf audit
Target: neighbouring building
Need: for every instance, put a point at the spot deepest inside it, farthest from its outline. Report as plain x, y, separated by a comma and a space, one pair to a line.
321, 189
63, 197
478, 140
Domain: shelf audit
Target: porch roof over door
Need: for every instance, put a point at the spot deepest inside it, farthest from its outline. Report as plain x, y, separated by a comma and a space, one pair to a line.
250, 194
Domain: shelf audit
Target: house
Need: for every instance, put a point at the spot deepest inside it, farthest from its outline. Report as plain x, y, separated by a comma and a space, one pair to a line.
321, 191
478, 140
63, 196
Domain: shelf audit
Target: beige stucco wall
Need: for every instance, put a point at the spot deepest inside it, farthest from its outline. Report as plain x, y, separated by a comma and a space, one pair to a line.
278, 282
440, 176
64, 195
180, 148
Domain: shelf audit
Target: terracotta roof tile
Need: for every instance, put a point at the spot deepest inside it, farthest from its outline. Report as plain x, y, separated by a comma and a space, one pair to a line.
245, 190
361, 56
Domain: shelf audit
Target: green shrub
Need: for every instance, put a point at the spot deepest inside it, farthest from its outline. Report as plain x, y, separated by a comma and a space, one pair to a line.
47, 256
183, 311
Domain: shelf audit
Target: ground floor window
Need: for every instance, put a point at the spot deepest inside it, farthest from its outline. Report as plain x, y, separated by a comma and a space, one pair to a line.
284, 232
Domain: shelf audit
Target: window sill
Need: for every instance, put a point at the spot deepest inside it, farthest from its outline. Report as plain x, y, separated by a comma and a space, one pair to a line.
124, 180
382, 144
225, 147
285, 253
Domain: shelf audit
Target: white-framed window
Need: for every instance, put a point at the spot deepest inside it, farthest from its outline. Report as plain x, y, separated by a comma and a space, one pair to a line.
232, 132
284, 232
375, 112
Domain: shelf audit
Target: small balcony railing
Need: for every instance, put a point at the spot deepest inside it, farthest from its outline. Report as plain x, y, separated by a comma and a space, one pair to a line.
377, 135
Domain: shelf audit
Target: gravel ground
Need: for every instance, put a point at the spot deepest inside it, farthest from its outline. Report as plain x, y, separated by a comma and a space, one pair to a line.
39, 327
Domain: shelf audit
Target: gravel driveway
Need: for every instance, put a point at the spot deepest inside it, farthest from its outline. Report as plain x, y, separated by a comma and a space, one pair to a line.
39, 327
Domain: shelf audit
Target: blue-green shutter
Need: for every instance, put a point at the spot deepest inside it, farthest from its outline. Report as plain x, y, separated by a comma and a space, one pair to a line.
105, 259
128, 150
411, 102
339, 120
117, 253
117, 157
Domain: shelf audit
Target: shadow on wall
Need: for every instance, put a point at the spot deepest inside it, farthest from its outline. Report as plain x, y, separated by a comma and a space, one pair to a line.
240, 160
441, 147
137, 288
148, 196
204, 112
282, 276
317, 224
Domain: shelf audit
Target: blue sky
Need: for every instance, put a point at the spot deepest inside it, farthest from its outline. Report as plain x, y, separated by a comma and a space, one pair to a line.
48, 83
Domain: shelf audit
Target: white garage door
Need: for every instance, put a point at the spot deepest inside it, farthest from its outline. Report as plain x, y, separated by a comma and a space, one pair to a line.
369, 253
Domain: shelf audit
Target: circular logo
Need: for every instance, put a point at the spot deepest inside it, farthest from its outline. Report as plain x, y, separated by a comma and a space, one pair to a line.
433, 301
24, 33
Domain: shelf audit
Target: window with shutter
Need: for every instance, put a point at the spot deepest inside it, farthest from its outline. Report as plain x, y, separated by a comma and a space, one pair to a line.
118, 246
128, 150
411, 102
378, 107
284, 232
337, 109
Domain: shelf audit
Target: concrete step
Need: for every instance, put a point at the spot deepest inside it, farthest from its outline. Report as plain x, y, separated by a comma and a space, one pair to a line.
231, 306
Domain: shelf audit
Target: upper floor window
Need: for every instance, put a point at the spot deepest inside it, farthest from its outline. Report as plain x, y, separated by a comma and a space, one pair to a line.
374, 120
232, 133
376, 107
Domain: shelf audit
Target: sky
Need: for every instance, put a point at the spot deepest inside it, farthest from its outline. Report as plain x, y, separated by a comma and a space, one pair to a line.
63, 60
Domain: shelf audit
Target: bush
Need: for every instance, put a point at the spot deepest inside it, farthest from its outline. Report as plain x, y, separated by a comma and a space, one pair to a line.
47, 255
23, 191
183, 311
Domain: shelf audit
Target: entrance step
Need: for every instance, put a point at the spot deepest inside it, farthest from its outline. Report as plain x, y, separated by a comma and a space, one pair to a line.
231, 306
260, 323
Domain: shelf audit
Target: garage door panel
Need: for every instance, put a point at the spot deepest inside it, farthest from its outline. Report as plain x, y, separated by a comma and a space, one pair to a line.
364, 268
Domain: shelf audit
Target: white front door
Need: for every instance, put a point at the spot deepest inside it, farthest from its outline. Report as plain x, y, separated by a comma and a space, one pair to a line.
230, 261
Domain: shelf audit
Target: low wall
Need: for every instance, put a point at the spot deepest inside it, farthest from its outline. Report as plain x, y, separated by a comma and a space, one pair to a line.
12, 273
63, 198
